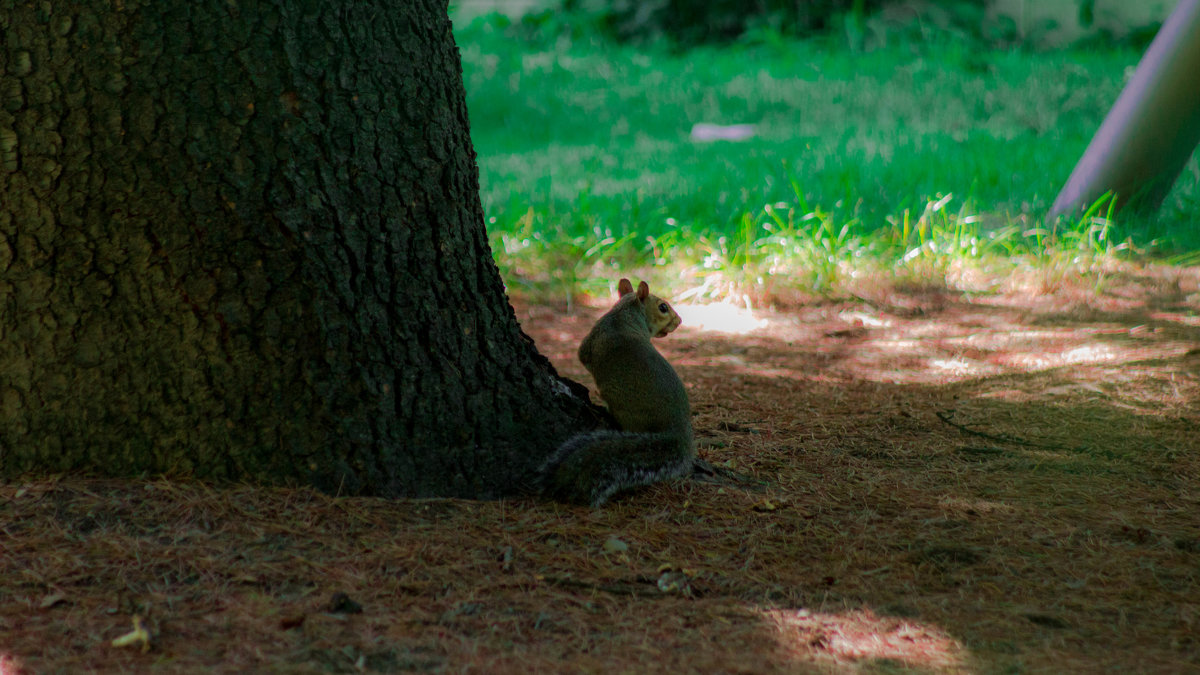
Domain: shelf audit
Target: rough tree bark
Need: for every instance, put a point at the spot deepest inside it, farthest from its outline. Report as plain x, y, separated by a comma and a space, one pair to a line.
244, 240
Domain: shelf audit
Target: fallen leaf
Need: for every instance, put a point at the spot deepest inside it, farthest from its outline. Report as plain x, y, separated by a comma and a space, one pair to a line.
765, 505
52, 600
614, 545
137, 636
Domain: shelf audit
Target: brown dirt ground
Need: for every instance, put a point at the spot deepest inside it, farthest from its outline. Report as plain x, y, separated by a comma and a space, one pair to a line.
918, 481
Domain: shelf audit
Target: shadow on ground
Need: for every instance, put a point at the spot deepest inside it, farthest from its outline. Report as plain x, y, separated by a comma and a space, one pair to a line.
986, 485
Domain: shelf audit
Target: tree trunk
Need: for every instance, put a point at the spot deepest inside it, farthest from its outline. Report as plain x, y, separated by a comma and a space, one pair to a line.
244, 240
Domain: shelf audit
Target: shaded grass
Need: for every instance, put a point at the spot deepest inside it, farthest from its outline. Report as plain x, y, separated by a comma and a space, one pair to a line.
915, 157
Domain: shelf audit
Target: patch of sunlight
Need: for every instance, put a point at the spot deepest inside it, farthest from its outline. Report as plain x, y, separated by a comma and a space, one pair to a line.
900, 346
721, 318
1185, 319
863, 319
1010, 339
1089, 353
860, 635
9, 664
958, 366
1029, 362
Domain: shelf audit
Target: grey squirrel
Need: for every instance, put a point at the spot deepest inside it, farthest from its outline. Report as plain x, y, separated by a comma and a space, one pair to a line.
645, 396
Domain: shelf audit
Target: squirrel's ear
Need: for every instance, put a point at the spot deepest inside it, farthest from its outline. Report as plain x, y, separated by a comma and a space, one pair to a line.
643, 290
624, 287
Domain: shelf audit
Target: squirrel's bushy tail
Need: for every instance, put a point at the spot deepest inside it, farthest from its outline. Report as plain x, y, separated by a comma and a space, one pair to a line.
590, 468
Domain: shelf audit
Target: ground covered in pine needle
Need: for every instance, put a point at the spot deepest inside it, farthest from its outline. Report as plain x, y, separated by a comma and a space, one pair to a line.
918, 481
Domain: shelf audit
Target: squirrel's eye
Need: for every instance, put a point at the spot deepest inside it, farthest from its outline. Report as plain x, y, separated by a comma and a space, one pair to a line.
662, 307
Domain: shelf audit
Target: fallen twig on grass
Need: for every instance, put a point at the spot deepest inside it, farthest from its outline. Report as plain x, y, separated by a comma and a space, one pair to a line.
634, 588
944, 415
709, 473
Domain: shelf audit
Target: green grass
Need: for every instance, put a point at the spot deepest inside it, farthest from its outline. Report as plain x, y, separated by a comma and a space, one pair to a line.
912, 158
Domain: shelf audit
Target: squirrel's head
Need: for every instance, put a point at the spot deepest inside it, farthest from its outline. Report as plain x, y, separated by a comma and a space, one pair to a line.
660, 315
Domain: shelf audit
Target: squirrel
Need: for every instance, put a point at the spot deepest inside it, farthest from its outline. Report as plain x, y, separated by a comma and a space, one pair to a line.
645, 396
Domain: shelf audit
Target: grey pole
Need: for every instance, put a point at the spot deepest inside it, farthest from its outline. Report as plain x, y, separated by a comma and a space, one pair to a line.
1152, 129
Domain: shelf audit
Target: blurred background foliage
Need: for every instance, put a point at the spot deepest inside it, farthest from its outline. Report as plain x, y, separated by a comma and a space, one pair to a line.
864, 23
911, 139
